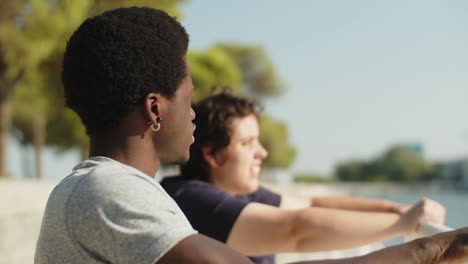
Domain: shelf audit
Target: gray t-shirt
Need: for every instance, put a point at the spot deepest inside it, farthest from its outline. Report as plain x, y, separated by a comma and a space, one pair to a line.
108, 212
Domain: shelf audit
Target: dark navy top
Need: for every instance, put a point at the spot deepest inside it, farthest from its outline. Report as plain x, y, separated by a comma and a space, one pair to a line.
213, 212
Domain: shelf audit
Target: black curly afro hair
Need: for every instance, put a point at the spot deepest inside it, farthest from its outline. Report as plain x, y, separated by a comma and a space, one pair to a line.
113, 60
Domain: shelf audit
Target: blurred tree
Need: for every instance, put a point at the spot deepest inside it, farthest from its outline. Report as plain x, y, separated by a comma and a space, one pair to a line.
274, 137
170, 6
350, 170
29, 30
33, 35
212, 67
401, 164
398, 163
28, 115
215, 67
35, 32
259, 77
64, 128
310, 177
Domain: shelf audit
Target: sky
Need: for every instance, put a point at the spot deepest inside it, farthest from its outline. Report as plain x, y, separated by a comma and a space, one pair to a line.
360, 75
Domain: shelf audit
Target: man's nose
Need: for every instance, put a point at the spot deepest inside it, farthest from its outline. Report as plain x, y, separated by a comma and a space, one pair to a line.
192, 113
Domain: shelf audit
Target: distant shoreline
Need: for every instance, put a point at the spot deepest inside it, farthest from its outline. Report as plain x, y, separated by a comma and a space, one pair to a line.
357, 188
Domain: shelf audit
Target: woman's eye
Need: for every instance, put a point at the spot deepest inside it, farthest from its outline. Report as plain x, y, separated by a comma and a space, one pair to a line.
246, 142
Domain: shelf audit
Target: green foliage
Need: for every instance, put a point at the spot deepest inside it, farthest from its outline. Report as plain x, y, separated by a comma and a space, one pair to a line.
31, 30
307, 177
170, 6
350, 171
259, 77
28, 105
35, 32
65, 131
398, 163
212, 67
274, 137
217, 67
401, 164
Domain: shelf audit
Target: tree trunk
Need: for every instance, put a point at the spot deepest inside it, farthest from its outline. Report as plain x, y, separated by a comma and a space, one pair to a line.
38, 141
5, 123
6, 86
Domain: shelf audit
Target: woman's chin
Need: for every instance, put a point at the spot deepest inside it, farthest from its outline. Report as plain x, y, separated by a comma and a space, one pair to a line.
252, 188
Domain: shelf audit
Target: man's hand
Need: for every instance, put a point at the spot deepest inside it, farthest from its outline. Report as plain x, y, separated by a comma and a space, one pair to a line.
456, 247
445, 248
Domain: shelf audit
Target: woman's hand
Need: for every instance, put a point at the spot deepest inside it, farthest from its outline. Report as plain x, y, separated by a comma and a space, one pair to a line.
425, 211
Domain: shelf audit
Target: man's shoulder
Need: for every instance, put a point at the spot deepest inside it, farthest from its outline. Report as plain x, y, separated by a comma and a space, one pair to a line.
99, 182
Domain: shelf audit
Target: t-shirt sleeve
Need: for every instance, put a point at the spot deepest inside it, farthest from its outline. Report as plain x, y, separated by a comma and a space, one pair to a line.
129, 222
211, 211
264, 196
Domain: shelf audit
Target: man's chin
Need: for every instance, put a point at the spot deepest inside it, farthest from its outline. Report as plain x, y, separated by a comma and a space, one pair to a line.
179, 161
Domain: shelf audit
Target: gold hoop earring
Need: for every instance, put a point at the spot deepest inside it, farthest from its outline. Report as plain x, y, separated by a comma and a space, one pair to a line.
158, 124
155, 129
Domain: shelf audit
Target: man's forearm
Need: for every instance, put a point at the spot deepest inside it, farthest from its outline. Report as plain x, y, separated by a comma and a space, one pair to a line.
415, 252
447, 248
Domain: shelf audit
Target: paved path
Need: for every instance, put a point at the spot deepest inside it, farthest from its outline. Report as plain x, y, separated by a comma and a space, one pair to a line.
22, 203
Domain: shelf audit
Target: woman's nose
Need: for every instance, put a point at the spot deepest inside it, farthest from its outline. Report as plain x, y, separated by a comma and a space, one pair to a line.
262, 153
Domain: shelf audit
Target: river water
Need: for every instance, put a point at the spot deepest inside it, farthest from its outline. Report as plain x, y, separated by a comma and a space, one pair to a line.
455, 201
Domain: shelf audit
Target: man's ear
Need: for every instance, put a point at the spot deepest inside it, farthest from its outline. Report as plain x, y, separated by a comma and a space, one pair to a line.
210, 157
153, 106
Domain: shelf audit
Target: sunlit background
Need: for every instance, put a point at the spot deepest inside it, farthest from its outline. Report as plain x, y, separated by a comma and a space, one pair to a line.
355, 78
360, 76
353, 91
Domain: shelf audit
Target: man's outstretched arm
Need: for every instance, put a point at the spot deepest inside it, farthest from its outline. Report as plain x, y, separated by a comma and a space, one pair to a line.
445, 248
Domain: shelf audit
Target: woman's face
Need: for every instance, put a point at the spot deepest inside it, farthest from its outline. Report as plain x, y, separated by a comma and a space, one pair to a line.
238, 165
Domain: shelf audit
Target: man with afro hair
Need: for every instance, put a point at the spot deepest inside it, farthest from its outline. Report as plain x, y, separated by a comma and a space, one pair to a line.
125, 75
